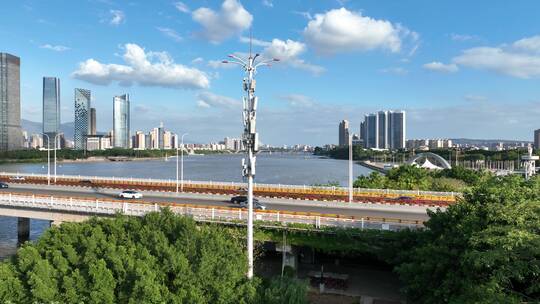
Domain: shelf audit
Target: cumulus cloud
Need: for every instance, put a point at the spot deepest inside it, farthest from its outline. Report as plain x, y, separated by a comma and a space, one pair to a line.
170, 33
56, 48
340, 30
117, 17
520, 59
143, 68
437, 66
182, 7
287, 51
197, 60
211, 100
230, 20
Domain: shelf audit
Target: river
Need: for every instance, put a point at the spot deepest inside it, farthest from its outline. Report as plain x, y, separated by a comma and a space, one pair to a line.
275, 168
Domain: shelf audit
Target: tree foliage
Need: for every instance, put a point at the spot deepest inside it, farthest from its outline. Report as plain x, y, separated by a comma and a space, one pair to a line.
485, 249
159, 258
414, 178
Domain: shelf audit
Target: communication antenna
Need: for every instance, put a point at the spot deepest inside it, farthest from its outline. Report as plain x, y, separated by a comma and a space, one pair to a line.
250, 137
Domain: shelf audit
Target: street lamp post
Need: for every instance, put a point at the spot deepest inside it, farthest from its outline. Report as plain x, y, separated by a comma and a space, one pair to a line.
350, 170
182, 164
250, 137
55, 146
48, 159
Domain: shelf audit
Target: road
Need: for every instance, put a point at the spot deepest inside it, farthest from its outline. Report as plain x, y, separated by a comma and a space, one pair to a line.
356, 209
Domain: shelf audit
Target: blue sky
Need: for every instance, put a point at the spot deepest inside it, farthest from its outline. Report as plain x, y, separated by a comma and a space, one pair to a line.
459, 68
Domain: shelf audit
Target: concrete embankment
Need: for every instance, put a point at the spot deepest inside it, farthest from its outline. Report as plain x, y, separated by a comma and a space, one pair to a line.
379, 167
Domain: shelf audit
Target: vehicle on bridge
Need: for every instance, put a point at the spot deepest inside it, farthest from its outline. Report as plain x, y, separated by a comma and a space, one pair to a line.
239, 199
256, 205
19, 178
130, 194
3, 185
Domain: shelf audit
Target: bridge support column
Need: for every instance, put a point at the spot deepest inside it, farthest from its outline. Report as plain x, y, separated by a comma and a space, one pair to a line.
23, 230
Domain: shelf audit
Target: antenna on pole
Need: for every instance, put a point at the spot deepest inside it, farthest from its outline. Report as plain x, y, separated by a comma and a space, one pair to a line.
250, 40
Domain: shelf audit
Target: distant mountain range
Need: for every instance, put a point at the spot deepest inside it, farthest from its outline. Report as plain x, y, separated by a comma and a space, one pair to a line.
36, 127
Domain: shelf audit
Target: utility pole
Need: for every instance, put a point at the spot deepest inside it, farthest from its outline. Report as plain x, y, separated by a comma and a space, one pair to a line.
250, 138
350, 170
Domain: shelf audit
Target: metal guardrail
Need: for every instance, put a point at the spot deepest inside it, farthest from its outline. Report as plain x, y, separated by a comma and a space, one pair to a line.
197, 212
300, 189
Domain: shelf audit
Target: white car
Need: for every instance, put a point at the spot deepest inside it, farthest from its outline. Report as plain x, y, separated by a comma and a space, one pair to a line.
130, 194
256, 205
21, 178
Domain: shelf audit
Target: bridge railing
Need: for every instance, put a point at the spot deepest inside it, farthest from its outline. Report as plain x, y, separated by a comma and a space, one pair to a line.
234, 186
90, 207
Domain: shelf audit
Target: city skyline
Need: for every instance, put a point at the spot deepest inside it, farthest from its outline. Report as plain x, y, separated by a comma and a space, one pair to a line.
452, 79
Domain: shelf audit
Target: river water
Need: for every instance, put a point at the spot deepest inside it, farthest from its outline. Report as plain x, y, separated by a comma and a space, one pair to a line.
277, 168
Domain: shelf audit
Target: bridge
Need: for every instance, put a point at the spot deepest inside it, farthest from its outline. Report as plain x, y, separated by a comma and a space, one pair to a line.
76, 198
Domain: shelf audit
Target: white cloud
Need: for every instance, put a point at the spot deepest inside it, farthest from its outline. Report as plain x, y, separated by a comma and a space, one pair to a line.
501, 60
340, 30
143, 68
117, 17
218, 64
475, 98
441, 67
232, 19
182, 7
304, 14
394, 71
211, 100
462, 37
531, 44
170, 33
268, 3
57, 48
197, 60
298, 100
254, 41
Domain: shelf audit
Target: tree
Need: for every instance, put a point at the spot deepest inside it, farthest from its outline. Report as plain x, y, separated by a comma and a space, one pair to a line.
159, 258
485, 249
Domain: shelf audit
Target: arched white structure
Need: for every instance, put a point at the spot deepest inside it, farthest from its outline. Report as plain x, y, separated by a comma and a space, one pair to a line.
443, 163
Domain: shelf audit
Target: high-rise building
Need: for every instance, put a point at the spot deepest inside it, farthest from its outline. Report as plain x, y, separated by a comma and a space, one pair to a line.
384, 130
51, 109
397, 129
121, 121
371, 125
93, 121
82, 118
343, 133
10, 102
537, 139
161, 137
167, 140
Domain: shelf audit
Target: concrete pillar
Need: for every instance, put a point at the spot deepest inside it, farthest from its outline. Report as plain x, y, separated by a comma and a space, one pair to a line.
23, 230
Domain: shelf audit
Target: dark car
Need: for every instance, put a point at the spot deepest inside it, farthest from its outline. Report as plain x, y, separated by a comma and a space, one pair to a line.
3, 185
242, 199
403, 198
85, 181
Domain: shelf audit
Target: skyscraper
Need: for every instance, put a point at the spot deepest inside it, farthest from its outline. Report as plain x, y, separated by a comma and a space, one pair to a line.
93, 121
121, 121
343, 133
371, 125
397, 129
10, 102
51, 108
384, 130
82, 119
537, 139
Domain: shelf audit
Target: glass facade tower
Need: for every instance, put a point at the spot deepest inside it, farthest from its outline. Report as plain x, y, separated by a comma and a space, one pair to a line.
121, 121
82, 118
51, 109
10, 103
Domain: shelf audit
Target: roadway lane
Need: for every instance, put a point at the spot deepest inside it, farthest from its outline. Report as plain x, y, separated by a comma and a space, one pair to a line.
222, 202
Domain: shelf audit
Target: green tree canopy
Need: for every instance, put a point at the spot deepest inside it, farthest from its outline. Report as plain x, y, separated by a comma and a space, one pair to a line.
485, 249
